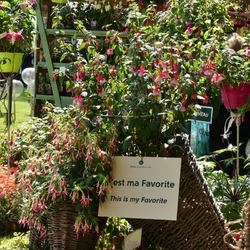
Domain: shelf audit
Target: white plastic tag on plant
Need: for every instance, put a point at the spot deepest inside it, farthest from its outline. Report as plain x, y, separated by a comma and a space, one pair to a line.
133, 240
62, 70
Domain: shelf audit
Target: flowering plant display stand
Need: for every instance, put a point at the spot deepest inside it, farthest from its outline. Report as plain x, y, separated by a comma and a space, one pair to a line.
199, 224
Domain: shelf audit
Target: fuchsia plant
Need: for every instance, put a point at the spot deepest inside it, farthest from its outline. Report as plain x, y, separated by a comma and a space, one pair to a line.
133, 93
65, 158
17, 26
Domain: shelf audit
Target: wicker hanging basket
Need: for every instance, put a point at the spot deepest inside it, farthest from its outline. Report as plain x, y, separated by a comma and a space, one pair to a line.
200, 224
61, 233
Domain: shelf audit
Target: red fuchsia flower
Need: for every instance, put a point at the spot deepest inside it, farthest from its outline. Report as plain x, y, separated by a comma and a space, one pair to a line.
85, 227
127, 30
113, 71
100, 91
164, 65
175, 67
156, 91
247, 52
77, 123
217, 78
206, 99
158, 79
89, 156
13, 36
85, 201
208, 70
109, 112
174, 82
189, 30
97, 186
98, 46
106, 40
101, 154
115, 37
86, 45
100, 79
165, 74
77, 228
78, 100
183, 105
74, 196
110, 52
141, 71
193, 96
43, 235
112, 143
140, 4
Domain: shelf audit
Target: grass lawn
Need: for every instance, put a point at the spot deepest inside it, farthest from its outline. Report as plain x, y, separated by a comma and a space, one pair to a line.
22, 112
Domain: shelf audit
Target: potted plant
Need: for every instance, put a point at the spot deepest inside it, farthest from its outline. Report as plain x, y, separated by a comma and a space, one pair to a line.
228, 67
16, 32
63, 16
75, 159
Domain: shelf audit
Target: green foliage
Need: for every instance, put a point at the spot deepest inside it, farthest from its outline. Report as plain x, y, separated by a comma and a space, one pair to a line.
10, 206
113, 234
230, 193
16, 242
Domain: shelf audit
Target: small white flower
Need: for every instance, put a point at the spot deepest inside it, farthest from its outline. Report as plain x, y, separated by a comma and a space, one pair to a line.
107, 7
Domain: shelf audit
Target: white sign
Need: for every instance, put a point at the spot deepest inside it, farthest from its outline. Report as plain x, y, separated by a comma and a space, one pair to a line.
133, 240
145, 188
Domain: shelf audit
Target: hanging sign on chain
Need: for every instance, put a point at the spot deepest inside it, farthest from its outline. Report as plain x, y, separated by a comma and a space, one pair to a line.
145, 188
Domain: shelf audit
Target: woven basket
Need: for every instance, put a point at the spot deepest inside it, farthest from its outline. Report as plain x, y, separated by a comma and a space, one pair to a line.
199, 225
61, 233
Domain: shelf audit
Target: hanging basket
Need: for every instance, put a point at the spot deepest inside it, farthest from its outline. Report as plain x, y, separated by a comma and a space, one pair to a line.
236, 97
61, 233
10, 62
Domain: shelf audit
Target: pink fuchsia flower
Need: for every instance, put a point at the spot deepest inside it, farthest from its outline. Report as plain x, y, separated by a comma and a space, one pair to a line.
189, 31
101, 154
100, 79
77, 228
183, 105
208, 70
106, 40
175, 80
206, 99
85, 227
159, 78
141, 71
217, 78
32, 1
13, 36
78, 100
113, 71
23, 6
110, 52
164, 65
247, 51
85, 201
156, 91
